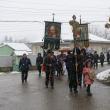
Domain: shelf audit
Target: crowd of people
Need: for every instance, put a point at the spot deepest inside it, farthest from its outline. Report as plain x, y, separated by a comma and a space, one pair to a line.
80, 66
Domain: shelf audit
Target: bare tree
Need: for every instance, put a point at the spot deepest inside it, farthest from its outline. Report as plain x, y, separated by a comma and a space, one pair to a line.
6, 39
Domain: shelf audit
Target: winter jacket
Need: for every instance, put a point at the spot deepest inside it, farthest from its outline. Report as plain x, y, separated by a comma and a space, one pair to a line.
24, 64
39, 61
87, 79
102, 57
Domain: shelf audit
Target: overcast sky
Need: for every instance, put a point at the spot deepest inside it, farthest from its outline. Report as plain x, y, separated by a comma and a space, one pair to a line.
41, 10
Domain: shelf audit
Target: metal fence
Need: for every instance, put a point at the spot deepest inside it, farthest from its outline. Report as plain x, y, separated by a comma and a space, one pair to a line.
7, 61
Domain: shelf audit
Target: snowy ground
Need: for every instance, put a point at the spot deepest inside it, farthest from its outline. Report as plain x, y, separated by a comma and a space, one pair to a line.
14, 72
104, 76
1, 73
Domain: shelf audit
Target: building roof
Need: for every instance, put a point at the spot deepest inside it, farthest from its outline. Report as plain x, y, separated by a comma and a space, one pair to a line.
93, 38
18, 46
97, 39
20, 53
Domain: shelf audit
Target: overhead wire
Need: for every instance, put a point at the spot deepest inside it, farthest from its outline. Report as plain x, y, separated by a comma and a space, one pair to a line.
22, 10
38, 3
45, 3
35, 11
45, 9
26, 10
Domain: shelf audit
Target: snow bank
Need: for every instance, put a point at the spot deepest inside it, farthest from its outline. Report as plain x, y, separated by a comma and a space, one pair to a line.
14, 72
104, 76
1, 73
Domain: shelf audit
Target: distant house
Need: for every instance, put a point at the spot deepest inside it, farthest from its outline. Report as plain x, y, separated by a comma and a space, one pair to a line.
14, 50
7, 49
96, 43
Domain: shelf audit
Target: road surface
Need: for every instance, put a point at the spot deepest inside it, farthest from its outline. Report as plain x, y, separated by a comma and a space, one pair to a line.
34, 95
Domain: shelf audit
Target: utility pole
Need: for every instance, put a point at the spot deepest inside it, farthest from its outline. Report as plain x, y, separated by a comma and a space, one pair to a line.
53, 17
80, 19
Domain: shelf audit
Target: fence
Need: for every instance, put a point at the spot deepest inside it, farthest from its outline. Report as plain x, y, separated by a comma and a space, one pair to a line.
6, 61
7, 64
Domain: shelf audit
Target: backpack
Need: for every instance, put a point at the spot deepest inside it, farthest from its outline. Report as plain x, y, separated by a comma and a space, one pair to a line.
92, 75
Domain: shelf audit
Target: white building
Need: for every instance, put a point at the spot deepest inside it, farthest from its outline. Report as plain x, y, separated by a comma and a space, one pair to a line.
10, 54
96, 43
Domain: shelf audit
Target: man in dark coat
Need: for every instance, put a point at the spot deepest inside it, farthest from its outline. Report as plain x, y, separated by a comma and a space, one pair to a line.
108, 57
59, 68
50, 69
96, 57
80, 65
69, 63
24, 66
72, 75
102, 58
39, 62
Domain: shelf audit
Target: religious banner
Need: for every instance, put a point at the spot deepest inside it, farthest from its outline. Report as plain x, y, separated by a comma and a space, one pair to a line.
84, 35
83, 39
52, 35
75, 27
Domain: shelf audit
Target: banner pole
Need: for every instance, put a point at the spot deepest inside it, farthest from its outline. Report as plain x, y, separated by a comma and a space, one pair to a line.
53, 17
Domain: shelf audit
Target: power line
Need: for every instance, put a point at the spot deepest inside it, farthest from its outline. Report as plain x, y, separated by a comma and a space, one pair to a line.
22, 11
20, 21
45, 11
38, 3
62, 10
15, 12
45, 3
34, 21
6, 31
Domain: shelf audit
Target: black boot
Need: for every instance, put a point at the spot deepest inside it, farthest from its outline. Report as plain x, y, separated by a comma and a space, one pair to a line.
71, 90
88, 91
23, 80
46, 84
76, 91
89, 94
52, 87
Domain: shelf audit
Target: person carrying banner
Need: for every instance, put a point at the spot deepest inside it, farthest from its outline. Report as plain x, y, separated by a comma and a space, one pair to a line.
50, 69
71, 68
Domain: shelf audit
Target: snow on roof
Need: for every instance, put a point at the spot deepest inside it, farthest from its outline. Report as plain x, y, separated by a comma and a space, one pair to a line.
93, 38
96, 38
19, 46
20, 53
1, 45
69, 37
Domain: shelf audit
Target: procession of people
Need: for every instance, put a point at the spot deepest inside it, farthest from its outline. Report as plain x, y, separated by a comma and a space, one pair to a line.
79, 62
80, 66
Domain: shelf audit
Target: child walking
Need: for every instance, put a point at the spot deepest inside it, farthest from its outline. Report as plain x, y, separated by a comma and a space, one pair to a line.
89, 76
